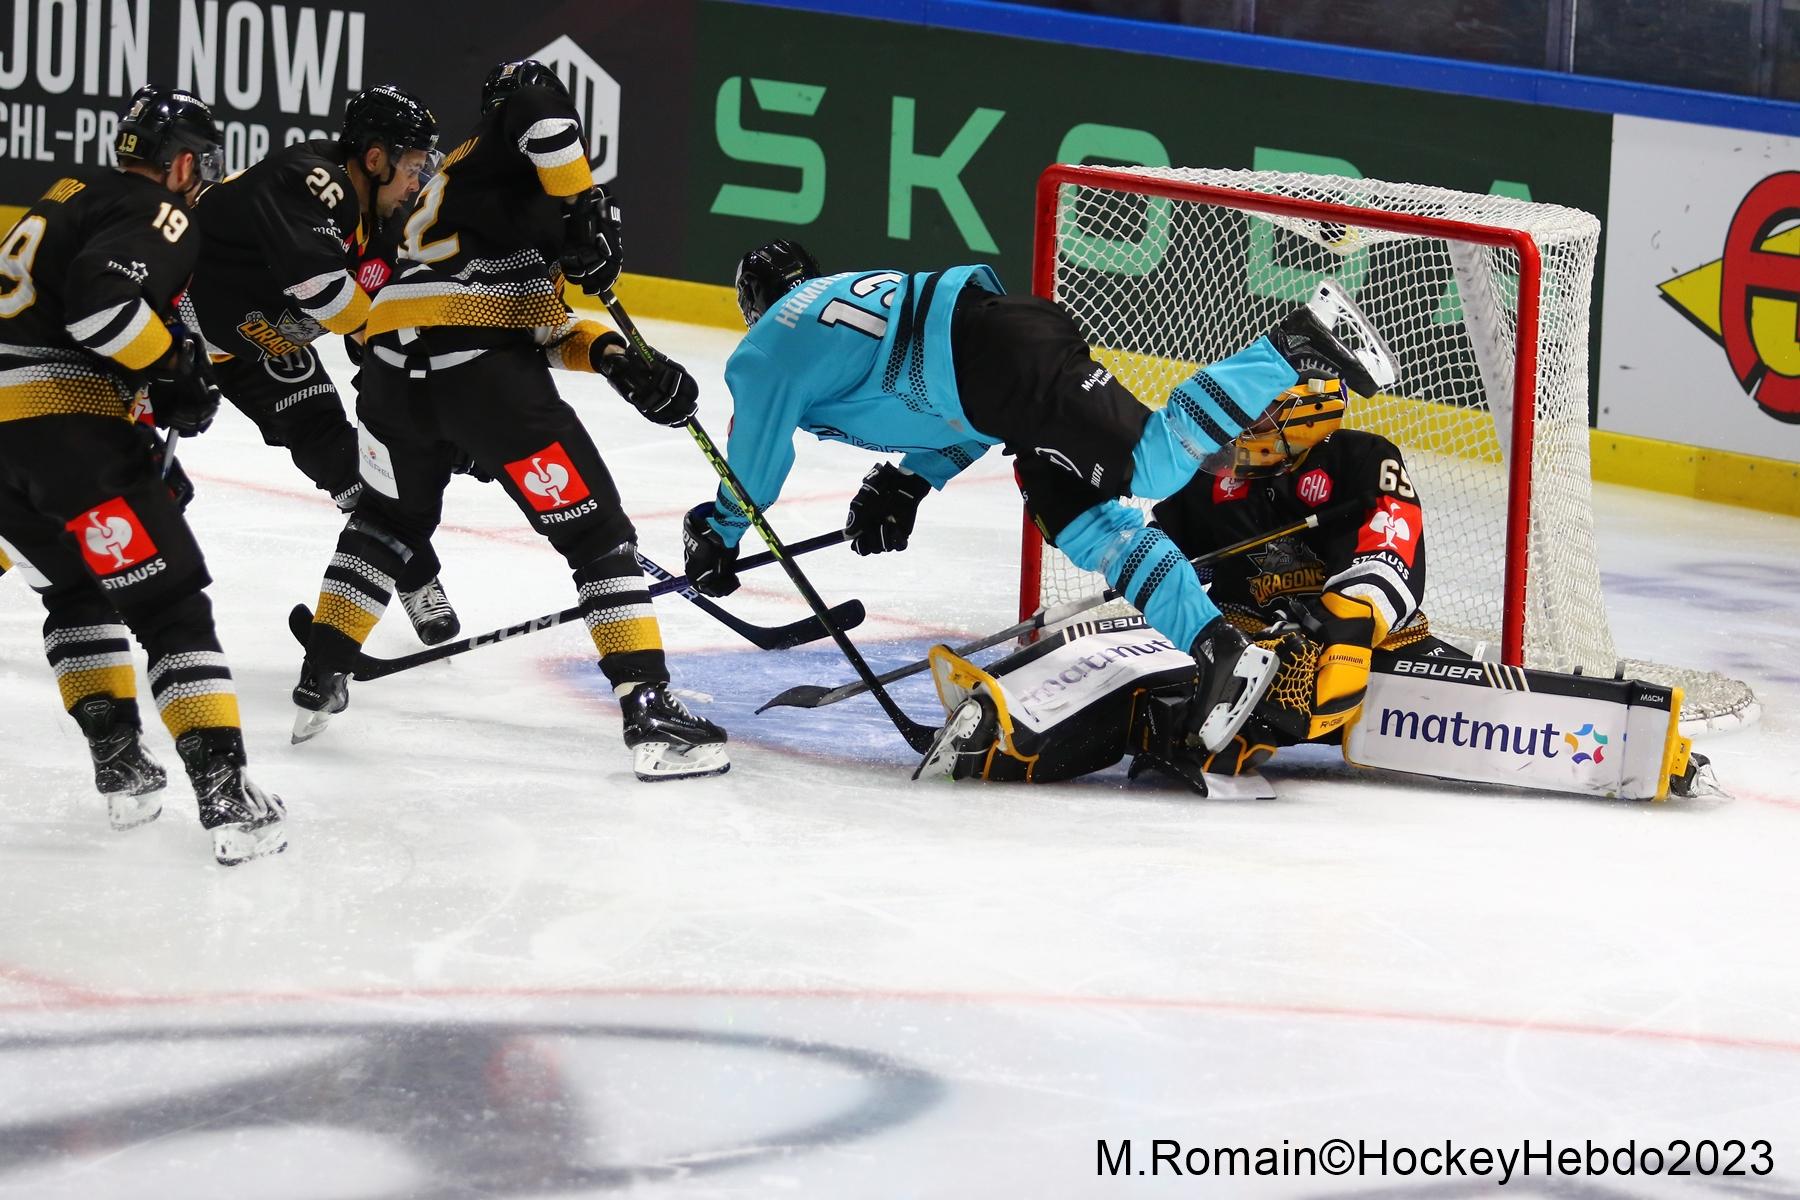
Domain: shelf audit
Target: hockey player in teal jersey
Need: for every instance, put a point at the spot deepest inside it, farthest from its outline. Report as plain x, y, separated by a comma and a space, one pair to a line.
938, 367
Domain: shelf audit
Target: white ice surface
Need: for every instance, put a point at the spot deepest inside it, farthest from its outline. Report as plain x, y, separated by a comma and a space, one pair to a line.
493, 964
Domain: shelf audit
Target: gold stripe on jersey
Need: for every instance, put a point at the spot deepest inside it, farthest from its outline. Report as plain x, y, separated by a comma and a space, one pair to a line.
352, 316
149, 344
569, 179
61, 388
555, 150
516, 292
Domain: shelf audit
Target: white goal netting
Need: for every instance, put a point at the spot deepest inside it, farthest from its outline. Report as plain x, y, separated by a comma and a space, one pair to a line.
1166, 269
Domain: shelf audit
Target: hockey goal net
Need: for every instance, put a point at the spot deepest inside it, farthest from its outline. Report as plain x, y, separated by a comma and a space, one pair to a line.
1484, 301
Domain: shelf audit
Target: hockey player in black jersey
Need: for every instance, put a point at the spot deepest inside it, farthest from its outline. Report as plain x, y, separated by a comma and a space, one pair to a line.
88, 285
293, 251
460, 346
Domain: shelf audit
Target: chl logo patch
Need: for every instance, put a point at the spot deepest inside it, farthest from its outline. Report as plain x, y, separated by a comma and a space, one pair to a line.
111, 537
548, 479
372, 274
1314, 487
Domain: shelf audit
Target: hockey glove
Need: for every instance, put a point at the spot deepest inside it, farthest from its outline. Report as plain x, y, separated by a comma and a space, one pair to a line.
711, 565
1315, 352
183, 395
464, 464
593, 249
661, 389
1327, 662
883, 509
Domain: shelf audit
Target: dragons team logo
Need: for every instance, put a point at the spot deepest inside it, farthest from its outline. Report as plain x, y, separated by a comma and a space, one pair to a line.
1588, 744
112, 537
1748, 299
548, 479
596, 96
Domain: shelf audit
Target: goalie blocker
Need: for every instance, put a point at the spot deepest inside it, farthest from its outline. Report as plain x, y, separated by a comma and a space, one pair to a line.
1083, 699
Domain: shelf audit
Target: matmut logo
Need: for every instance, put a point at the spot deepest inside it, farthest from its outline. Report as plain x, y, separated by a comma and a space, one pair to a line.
1746, 299
596, 96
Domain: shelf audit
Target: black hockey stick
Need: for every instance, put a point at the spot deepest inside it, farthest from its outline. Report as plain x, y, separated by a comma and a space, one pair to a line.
919, 737
849, 614
369, 666
812, 695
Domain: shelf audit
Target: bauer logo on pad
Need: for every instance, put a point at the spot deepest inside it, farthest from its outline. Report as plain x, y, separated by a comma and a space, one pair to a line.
548, 479
111, 537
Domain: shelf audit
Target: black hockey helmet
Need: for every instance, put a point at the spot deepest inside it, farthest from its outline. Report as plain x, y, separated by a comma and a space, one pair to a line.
385, 116
161, 122
769, 272
508, 77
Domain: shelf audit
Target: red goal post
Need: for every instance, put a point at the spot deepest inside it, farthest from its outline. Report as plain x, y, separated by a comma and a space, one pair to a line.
1485, 300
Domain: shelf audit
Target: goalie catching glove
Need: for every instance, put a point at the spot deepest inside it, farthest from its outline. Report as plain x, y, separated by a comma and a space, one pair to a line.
884, 508
710, 564
660, 388
1325, 648
183, 396
593, 249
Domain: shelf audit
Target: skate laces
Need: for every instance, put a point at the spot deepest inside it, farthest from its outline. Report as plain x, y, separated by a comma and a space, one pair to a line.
232, 796
428, 603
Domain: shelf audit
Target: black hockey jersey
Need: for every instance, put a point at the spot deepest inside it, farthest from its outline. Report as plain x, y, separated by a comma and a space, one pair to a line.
1374, 550
88, 278
277, 268
480, 249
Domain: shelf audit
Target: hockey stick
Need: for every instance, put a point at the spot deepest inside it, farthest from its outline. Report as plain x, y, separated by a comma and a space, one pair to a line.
780, 637
919, 737
812, 695
168, 449
849, 614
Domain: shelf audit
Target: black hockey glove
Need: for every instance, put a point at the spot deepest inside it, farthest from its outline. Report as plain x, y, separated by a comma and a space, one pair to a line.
465, 464
883, 509
711, 565
593, 249
183, 395
661, 389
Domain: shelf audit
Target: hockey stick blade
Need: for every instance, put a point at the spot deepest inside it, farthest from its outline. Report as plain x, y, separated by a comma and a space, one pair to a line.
368, 666
848, 615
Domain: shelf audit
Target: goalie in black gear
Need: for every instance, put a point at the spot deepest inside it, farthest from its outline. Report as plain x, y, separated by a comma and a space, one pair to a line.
1333, 602
460, 347
295, 248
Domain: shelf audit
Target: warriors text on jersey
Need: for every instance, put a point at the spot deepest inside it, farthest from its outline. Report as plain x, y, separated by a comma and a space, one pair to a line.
86, 278
480, 250
273, 270
862, 358
1374, 551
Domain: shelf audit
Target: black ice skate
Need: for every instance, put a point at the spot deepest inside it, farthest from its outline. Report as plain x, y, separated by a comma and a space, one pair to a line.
1233, 676
318, 695
1306, 338
968, 730
246, 822
432, 617
667, 740
123, 772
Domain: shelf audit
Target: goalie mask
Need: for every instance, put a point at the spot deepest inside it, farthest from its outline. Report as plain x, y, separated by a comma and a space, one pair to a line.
768, 273
1300, 419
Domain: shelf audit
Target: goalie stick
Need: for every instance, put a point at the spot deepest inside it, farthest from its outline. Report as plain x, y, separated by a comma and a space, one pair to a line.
781, 637
813, 695
919, 737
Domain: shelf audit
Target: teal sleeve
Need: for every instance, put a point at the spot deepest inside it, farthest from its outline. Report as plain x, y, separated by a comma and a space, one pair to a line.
939, 467
766, 412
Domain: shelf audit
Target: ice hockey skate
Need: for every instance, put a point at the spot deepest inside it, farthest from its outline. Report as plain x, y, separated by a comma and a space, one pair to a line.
1234, 674
124, 772
668, 741
246, 822
433, 619
318, 696
968, 729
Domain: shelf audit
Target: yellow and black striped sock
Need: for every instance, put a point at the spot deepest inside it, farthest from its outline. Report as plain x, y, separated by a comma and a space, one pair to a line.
615, 603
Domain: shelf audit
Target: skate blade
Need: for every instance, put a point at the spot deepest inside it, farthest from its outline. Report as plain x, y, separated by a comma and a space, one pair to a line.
1255, 669
308, 725
1251, 785
940, 759
239, 843
657, 761
128, 812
